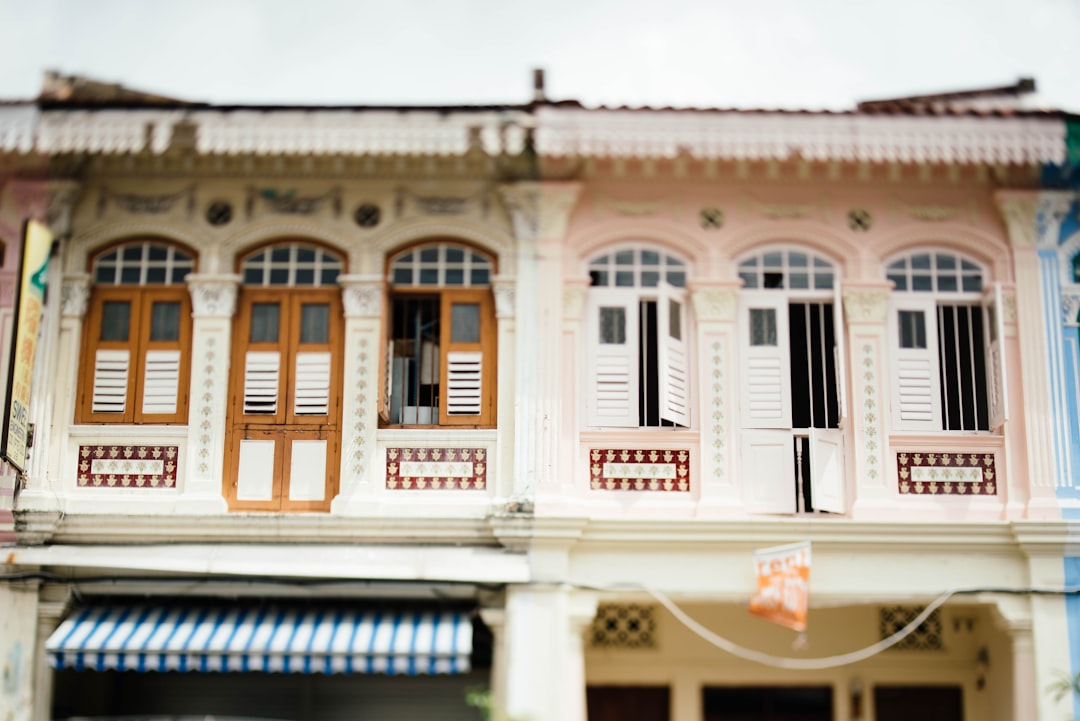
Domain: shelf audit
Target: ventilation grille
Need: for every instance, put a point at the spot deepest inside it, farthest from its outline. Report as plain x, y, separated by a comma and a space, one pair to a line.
628, 626
925, 637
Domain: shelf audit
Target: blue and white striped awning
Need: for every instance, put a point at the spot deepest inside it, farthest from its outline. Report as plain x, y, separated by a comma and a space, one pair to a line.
262, 639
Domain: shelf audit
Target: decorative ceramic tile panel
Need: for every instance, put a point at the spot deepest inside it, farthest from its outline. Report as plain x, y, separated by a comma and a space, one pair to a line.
412, 469
612, 469
624, 625
947, 474
128, 466
927, 636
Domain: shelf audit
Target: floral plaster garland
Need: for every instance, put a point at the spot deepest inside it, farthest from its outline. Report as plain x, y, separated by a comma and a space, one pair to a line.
613, 469
947, 474
128, 466
412, 469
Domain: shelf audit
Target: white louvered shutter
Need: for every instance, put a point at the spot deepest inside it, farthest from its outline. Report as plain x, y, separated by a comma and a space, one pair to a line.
768, 470
828, 482
674, 356
916, 384
996, 378
464, 376
611, 348
311, 384
262, 376
161, 381
111, 369
765, 373
840, 349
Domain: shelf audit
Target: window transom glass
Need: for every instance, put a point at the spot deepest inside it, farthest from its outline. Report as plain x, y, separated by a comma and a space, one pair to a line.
636, 268
787, 270
291, 265
146, 263
441, 265
936, 273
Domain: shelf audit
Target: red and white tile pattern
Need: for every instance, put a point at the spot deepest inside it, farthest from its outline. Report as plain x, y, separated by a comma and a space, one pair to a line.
436, 469
128, 466
615, 469
947, 474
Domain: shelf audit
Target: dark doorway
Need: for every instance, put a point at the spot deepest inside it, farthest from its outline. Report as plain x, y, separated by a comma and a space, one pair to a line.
628, 703
768, 703
926, 703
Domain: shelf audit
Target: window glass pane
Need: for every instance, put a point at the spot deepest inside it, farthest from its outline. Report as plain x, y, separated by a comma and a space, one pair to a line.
130, 275
465, 323
480, 260
155, 276
429, 255
131, 252
823, 281
179, 274
455, 255
165, 321
158, 252
899, 279
922, 283
773, 280
429, 276
279, 255
677, 279
279, 276
252, 276
763, 326
256, 259
650, 278
921, 261
675, 319
305, 255
749, 279
315, 323
798, 260
650, 257
407, 258
480, 276
115, 320
624, 257
305, 276
822, 263
455, 276
598, 278
624, 278
105, 274
912, 329
773, 260
264, 322
402, 276
973, 283
946, 282
329, 276
946, 262
799, 280
613, 325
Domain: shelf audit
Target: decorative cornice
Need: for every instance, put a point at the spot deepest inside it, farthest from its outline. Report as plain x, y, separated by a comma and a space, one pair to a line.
74, 295
213, 296
866, 305
1019, 210
540, 210
716, 303
361, 295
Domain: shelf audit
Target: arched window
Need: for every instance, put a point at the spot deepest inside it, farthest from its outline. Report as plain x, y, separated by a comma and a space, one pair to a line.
441, 338
791, 381
948, 361
138, 336
285, 413
637, 340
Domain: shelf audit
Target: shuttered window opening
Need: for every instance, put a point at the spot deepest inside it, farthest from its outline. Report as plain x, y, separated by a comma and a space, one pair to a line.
637, 341
136, 346
311, 394
440, 364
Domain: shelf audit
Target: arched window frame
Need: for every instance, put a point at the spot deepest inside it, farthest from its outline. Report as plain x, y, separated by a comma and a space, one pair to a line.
285, 405
637, 339
946, 333
440, 367
136, 345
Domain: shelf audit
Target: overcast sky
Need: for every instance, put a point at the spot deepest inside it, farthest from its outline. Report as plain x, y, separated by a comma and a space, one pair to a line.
719, 53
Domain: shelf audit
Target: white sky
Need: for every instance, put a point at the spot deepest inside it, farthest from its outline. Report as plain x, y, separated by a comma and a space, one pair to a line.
704, 53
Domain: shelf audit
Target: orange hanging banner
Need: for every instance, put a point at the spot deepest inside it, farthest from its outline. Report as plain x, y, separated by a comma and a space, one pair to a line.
783, 577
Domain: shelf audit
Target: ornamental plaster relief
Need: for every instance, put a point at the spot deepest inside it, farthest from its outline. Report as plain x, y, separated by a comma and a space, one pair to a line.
866, 305
1070, 306
1020, 211
715, 304
131, 203
1053, 209
936, 212
213, 296
74, 296
505, 291
361, 295
540, 210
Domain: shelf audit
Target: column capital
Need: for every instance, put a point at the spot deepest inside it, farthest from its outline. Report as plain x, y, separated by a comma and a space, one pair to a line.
74, 295
1054, 208
213, 296
575, 291
361, 295
1070, 305
540, 209
504, 289
1019, 209
717, 301
866, 303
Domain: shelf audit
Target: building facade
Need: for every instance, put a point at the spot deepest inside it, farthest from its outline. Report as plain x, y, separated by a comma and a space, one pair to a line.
349, 411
